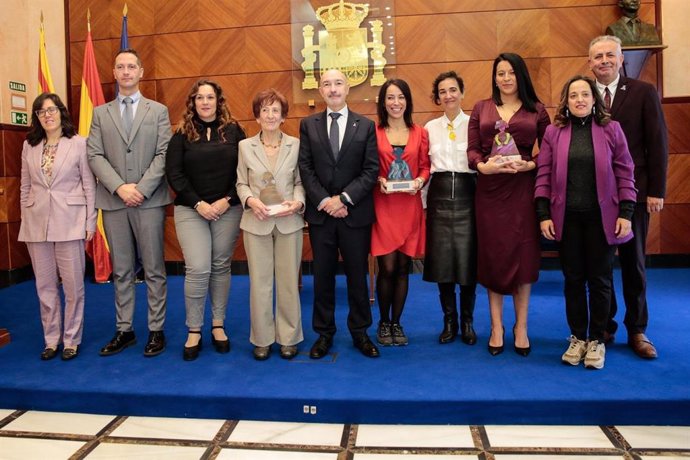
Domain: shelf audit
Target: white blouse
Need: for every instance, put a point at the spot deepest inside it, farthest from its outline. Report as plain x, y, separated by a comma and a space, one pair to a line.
449, 154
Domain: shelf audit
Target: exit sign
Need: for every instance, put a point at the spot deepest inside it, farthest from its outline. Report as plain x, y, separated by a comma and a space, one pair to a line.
16, 86
19, 118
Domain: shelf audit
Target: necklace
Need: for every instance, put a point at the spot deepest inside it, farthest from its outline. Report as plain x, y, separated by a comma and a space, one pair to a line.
273, 146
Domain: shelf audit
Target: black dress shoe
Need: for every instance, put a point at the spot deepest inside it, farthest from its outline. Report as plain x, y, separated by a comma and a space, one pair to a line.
118, 343
155, 345
467, 333
497, 350
320, 347
367, 347
70, 353
522, 351
192, 353
221, 346
49, 353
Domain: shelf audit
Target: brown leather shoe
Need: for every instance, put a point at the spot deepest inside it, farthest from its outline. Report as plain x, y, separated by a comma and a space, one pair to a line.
642, 346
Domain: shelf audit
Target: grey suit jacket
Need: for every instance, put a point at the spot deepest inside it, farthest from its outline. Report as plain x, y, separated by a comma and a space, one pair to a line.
116, 160
251, 167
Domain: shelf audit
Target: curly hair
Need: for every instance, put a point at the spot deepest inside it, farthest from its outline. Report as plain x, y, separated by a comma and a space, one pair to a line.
599, 113
452, 74
36, 133
189, 126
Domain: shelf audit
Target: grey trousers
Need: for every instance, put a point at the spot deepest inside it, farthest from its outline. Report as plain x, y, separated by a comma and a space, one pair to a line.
207, 247
275, 256
129, 230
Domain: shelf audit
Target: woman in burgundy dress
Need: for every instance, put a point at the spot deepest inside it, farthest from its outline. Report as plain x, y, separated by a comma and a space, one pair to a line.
507, 232
399, 231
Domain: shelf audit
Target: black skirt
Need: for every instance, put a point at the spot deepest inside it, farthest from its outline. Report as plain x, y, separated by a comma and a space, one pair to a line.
451, 235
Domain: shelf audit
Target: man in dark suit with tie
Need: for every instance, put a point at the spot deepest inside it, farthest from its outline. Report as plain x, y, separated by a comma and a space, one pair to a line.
635, 105
126, 148
338, 162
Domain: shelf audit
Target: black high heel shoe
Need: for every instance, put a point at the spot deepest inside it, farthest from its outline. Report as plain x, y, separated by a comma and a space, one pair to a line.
192, 353
497, 350
520, 350
221, 346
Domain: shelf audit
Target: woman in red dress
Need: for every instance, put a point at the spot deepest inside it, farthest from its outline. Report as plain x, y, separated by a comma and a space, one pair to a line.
399, 232
508, 252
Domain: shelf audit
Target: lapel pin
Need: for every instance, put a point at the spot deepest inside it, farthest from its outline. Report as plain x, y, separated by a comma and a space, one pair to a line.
623, 88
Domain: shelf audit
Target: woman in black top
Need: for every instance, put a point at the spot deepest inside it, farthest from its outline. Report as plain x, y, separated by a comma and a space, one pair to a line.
201, 166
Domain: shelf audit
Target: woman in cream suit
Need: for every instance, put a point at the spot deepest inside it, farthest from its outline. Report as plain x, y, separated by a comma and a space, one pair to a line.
270, 189
57, 198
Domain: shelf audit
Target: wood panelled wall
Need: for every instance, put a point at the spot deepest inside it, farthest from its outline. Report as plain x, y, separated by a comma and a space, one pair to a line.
246, 46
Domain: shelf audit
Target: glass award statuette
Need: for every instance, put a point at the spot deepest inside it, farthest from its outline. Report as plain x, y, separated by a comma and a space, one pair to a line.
399, 177
270, 196
504, 144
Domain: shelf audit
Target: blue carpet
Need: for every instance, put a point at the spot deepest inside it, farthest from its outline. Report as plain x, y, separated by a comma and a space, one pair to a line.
421, 383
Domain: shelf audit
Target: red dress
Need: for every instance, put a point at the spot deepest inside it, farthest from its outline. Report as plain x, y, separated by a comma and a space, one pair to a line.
400, 222
508, 252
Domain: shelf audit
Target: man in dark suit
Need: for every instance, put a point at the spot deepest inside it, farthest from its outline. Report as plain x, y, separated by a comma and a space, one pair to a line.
126, 148
635, 105
338, 162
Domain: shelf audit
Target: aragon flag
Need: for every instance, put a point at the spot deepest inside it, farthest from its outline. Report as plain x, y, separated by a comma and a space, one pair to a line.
92, 96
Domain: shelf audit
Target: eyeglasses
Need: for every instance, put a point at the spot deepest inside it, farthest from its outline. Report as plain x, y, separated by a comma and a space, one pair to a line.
50, 110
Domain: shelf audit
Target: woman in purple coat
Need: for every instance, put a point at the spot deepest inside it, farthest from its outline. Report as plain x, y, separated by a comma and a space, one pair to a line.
585, 197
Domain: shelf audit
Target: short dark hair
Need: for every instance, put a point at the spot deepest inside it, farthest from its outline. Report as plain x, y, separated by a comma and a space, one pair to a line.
381, 103
599, 113
36, 132
268, 97
444, 76
129, 51
526, 92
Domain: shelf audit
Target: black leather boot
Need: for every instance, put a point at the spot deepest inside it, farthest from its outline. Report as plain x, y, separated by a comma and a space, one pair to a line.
450, 319
467, 300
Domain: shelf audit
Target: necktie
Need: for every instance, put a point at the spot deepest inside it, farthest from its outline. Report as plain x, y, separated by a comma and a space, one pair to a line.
334, 134
127, 115
607, 99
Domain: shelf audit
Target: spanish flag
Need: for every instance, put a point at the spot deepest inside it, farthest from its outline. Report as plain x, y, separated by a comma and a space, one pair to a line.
45, 81
92, 96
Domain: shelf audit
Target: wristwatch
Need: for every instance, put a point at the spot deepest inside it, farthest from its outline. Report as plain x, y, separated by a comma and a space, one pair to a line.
343, 199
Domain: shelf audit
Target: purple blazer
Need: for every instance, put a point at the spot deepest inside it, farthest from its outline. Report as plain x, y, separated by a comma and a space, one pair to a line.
614, 174
65, 209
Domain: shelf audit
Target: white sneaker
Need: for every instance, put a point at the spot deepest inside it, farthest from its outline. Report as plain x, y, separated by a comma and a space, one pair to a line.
576, 351
596, 352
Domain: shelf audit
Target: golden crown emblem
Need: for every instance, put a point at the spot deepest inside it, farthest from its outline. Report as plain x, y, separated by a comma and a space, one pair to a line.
342, 15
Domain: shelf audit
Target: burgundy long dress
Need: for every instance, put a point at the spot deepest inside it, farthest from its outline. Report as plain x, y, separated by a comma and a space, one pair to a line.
508, 252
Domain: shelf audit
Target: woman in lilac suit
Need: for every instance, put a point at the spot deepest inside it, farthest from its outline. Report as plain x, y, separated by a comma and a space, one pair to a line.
585, 197
57, 199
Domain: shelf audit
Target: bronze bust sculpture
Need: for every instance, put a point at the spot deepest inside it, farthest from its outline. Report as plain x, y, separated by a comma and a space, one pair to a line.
630, 29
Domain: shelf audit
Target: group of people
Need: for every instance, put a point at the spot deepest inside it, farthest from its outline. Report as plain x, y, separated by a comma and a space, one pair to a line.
492, 181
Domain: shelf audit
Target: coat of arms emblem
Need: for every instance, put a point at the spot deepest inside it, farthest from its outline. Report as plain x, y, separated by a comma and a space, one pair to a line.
343, 45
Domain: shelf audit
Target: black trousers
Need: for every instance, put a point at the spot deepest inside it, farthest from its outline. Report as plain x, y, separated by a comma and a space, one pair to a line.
631, 256
587, 263
353, 244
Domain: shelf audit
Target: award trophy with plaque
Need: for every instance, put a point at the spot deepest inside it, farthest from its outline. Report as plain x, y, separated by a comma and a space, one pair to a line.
399, 177
504, 145
270, 196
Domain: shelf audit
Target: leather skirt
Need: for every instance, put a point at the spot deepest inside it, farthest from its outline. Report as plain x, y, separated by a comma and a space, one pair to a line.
451, 238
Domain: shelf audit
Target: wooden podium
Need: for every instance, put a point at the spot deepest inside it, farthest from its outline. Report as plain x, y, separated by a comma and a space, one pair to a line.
4, 337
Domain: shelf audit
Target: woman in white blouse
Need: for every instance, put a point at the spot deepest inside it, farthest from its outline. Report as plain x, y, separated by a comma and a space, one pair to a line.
451, 240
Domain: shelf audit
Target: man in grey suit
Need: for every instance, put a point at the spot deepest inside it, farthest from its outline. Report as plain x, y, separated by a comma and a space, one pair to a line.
126, 148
